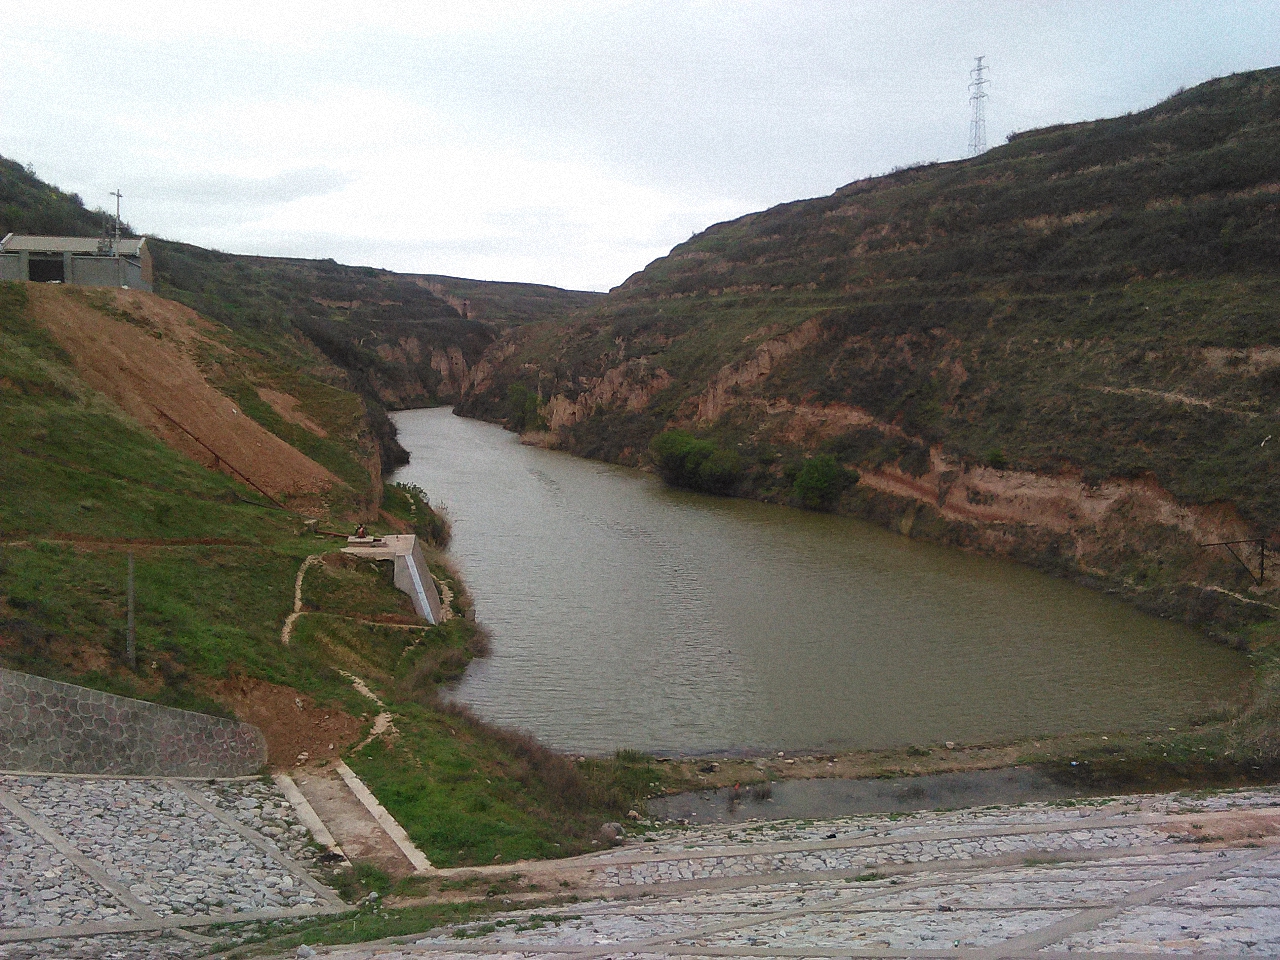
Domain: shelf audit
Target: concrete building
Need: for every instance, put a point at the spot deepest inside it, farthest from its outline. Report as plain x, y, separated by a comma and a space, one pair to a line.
86, 261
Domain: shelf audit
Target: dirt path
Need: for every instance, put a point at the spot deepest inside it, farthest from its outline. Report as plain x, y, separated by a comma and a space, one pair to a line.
382, 723
1181, 398
287, 630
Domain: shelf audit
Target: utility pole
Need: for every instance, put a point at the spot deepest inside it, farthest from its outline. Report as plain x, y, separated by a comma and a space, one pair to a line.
117, 194
131, 640
978, 100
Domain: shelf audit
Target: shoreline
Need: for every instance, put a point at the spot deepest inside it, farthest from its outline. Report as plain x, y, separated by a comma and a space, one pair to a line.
1194, 758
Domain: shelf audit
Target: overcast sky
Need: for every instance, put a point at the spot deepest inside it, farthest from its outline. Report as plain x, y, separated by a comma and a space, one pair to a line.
566, 143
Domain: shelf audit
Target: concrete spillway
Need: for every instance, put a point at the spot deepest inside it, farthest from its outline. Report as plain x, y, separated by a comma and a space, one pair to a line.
411, 576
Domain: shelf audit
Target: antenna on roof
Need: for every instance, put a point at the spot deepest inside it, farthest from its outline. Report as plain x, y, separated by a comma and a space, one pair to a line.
117, 194
978, 98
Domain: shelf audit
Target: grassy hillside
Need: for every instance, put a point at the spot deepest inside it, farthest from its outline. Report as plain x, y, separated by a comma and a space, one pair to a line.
29, 205
402, 338
1097, 303
361, 319
82, 484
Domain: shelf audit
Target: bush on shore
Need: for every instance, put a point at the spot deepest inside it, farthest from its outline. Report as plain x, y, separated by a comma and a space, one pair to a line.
821, 481
686, 461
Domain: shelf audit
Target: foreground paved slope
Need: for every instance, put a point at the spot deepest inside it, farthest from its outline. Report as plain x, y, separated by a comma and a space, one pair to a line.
110, 868
1183, 875
102, 867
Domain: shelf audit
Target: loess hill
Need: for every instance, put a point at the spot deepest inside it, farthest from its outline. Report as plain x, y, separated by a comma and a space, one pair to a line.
406, 340
402, 340
1066, 349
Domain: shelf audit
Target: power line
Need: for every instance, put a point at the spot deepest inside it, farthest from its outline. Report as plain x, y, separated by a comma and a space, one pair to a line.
978, 99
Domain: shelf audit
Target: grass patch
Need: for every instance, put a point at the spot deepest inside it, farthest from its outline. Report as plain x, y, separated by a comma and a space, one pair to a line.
470, 794
240, 941
408, 502
349, 586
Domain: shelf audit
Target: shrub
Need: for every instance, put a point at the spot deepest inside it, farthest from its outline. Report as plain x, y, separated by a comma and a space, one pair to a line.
856, 446
916, 461
684, 460
720, 472
523, 409
821, 481
409, 501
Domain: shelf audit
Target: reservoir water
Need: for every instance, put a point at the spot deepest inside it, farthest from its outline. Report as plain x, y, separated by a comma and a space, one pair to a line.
627, 614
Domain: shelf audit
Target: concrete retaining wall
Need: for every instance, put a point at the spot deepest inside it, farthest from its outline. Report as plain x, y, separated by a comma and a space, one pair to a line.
51, 727
412, 576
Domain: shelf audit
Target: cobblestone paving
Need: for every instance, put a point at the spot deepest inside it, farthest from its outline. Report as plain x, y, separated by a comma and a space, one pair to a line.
105, 867
150, 946
40, 887
1035, 881
59, 727
112, 868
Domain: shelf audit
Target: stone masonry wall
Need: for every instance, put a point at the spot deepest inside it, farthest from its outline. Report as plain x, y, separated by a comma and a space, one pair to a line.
51, 727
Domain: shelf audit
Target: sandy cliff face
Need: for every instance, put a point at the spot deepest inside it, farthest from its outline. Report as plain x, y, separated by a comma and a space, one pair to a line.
732, 378
452, 367
1061, 504
480, 376
630, 386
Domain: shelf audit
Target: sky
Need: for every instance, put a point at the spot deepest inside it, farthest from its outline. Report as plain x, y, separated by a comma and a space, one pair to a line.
568, 143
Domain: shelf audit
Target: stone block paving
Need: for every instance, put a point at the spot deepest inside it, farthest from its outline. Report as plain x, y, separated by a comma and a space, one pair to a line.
1113, 878
106, 867
148, 946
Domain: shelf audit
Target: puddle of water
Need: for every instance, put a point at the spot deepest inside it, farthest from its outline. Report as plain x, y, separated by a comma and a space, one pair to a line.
823, 799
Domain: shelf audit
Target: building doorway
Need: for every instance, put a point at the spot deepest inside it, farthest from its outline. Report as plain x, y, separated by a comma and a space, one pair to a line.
47, 270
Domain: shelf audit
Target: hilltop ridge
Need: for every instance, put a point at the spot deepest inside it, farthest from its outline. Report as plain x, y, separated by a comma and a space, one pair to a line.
406, 340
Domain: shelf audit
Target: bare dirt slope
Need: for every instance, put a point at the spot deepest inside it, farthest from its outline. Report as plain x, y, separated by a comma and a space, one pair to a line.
140, 351
292, 723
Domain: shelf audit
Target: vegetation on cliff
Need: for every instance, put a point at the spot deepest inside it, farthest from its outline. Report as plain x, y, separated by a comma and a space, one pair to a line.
29, 205
685, 461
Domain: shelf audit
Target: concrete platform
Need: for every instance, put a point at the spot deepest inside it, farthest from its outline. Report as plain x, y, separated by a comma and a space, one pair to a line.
412, 576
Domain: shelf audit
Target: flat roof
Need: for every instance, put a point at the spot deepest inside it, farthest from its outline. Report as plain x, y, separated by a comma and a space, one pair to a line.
127, 247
